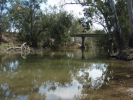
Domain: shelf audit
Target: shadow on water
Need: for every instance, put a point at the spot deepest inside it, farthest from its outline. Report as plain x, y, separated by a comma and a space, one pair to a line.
64, 75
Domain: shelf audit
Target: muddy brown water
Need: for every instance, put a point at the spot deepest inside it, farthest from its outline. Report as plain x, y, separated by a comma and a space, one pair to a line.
64, 75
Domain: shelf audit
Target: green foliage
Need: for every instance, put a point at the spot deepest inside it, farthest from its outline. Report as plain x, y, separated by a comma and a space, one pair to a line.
59, 30
28, 19
99, 32
34, 25
87, 43
5, 23
76, 27
101, 41
3, 4
99, 13
123, 16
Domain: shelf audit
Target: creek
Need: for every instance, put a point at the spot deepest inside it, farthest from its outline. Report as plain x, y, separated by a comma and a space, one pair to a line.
64, 75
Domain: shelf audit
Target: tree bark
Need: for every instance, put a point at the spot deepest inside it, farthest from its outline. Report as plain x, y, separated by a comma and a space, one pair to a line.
118, 33
31, 17
2, 8
1, 26
130, 22
0, 36
34, 43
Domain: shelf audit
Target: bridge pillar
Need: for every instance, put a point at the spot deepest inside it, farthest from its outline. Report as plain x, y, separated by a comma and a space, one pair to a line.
83, 42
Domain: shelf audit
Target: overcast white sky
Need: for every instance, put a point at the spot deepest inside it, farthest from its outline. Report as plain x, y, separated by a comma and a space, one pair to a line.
76, 9
70, 8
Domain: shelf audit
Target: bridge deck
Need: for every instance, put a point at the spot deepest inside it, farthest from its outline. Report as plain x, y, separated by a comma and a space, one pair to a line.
87, 35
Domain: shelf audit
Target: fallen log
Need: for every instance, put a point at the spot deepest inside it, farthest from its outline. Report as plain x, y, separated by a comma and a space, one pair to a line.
24, 47
14, 48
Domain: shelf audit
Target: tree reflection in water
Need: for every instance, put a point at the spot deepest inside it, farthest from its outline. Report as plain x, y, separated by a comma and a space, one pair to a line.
93, 75
63, 76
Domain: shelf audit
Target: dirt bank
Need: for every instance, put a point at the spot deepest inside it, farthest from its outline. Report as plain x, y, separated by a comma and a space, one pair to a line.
126, 54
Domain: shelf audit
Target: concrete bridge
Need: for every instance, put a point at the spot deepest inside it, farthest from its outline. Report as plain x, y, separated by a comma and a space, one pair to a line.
86, 35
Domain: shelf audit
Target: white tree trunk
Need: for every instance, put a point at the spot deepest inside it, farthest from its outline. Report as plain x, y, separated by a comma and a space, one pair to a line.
117, 29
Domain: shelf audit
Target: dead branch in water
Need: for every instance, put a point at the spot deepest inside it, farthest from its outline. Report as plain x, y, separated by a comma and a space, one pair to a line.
25, 47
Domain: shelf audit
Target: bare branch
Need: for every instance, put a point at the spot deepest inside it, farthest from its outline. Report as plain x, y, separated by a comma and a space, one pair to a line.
77, 2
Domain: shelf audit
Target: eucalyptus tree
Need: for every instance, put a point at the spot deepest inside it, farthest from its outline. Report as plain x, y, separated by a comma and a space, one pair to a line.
19, 17
117, 29
123, 16
34, 6
98, 13
38, 24
26, 14
111, 13
102, 14
2, 7
131, 22
5, 22
76, 27
60, 29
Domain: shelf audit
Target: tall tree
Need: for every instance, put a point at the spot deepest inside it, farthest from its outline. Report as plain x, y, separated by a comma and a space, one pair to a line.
118, 33
123, 16
34, 6
33, 24
26, 15
117, 29
2, 6
99, 13
131, 22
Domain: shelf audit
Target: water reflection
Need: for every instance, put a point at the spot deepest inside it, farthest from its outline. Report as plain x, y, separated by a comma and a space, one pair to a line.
57, 91
9, 66
93, 75
60, 75
86, 54
83, 53
24, 54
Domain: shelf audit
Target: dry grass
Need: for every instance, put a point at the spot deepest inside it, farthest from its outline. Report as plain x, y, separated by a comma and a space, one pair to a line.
9, 40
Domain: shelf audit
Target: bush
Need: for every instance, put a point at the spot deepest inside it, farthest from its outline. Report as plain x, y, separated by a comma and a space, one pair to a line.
87, 44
